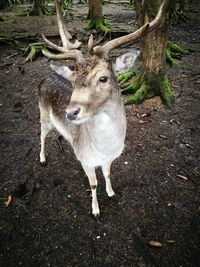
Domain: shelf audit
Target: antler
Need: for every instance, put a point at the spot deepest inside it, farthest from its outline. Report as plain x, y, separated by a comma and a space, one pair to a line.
103, 51
68, 50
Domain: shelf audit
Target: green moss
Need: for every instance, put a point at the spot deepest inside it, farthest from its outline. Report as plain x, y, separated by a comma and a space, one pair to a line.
125, 76
170, 59
166, 93
177, 15
173, 52
133, 85
148, 85
99, 24
140, 95
66, 5
177, 48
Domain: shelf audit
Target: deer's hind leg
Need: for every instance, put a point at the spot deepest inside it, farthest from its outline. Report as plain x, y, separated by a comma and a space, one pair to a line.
46, 127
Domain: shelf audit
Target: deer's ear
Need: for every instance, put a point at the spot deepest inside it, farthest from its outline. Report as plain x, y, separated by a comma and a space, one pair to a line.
63, 71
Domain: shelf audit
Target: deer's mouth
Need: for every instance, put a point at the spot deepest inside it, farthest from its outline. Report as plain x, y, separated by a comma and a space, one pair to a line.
77, 115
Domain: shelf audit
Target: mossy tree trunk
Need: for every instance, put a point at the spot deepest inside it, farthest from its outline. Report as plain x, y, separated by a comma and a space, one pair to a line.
95, 17
39, 8
95, 9
4, 4
152, 80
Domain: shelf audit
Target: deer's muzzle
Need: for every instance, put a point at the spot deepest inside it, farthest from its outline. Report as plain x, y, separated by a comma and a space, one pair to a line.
72, 115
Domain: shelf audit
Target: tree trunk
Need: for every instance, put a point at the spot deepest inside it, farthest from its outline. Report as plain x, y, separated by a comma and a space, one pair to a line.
95, 16
39, 8
152, 81
153, 47
4, 4
95, 9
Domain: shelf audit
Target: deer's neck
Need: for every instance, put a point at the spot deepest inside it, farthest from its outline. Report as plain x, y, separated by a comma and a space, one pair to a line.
102, 137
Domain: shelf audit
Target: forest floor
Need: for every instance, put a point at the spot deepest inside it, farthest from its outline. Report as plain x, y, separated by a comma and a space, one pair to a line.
156, 179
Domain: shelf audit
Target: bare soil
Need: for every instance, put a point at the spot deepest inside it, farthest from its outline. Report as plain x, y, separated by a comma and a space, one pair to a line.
157, 178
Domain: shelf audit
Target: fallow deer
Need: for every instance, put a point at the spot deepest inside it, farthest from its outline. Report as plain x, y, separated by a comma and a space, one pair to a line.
85, 105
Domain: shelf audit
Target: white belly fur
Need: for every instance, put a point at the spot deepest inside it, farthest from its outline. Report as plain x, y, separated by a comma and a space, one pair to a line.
105, 141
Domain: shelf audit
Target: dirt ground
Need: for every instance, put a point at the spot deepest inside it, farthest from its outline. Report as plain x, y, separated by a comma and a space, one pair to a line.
49, 221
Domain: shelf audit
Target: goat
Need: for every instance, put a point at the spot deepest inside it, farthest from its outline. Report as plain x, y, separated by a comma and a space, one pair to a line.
86, 106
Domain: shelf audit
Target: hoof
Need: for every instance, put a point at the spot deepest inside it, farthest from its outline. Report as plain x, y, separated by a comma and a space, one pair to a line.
114, 197
97, 217
43, 163
111, 195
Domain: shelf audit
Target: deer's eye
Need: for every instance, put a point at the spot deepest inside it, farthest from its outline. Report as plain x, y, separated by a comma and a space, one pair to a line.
103, 79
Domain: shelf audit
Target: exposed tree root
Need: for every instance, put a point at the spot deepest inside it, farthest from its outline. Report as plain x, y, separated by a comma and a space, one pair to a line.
99, 24
146, 86
33, 50
166, 93
9, 40
177, 15
173, 52
66, 5
132, 85
40, 11
125, 76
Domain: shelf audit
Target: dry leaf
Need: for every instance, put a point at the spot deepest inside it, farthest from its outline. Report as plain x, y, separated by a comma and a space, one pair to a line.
173, 120
163, 136
142, 121
154, 243
182, 177
146, 115
188, 145
9, 200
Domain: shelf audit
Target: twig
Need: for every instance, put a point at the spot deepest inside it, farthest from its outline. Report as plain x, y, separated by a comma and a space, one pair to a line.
186, 172
13, 55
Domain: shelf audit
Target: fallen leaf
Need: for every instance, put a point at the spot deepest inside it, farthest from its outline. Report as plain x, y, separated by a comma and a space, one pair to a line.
143, 121
9, 200
175, 121
182, 177
169, 204
146, 115
163, 136
189, 146
154, 243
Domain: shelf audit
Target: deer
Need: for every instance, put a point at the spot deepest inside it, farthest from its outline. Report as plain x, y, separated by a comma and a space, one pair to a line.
85, 104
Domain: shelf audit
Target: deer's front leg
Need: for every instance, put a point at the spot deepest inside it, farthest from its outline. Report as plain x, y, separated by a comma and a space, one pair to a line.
46, 127
90, 172
106, 173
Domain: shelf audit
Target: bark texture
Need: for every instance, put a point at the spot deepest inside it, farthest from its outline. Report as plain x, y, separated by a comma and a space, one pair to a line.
95, 16
152, 81
39, 8
95, 9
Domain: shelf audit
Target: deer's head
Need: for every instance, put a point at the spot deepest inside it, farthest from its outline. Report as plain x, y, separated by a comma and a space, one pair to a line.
92, 78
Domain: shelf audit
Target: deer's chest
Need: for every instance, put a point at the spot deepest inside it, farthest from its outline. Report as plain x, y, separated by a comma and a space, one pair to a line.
103, 141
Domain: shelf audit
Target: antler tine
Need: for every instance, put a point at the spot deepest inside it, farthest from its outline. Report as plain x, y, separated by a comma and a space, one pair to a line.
103, 51
64, 34
71, 54
68, 50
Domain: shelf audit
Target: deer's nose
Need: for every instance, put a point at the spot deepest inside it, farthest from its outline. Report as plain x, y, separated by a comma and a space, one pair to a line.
72, 115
